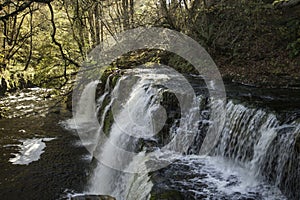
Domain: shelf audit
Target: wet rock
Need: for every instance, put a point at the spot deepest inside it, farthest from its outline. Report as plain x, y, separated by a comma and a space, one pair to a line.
92, 197
172, 106
100, 89
113, 76
168, 182
148, 144
167, 195
109, 77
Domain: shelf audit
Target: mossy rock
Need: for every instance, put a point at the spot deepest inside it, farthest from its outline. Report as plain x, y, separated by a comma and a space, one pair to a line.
172, 106
100, 89
167, 195
113, 76
180, 64
115, 79
109, 119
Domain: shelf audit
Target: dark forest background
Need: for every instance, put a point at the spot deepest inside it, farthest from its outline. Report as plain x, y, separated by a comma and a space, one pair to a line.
44, 42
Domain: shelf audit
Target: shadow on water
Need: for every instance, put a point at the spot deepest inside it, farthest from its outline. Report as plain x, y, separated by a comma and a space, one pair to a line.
61, 169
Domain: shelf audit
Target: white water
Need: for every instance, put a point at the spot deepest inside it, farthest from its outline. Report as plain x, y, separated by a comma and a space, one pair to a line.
132, 121
85, 110
247, 136
27, 102
84, 119
30, 151
216, 177
135, 185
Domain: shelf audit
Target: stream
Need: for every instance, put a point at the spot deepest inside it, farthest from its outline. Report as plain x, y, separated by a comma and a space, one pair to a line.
39, 158
46, 153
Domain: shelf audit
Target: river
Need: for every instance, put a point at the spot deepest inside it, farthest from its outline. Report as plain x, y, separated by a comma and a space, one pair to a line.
39, 158
44, 155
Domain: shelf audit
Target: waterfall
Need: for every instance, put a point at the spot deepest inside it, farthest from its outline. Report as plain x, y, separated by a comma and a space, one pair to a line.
84, 119
137, 118
133, 120
121, 130
85, 112
248, 135
135, 185
257, 140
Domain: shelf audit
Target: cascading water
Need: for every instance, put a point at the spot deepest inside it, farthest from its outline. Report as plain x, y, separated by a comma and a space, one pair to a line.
134, 119
85, 121
136, 113
252, 143
86, 111
256, 140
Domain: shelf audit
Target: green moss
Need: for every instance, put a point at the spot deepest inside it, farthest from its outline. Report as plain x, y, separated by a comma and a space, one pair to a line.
113, 76
109, 119
109, 115
180, 64
167, 195
115, 79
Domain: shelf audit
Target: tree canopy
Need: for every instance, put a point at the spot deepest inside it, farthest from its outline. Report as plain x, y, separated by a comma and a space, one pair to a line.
45, 41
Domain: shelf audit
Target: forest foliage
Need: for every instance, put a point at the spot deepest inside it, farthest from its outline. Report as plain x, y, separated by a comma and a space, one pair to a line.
44, 42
